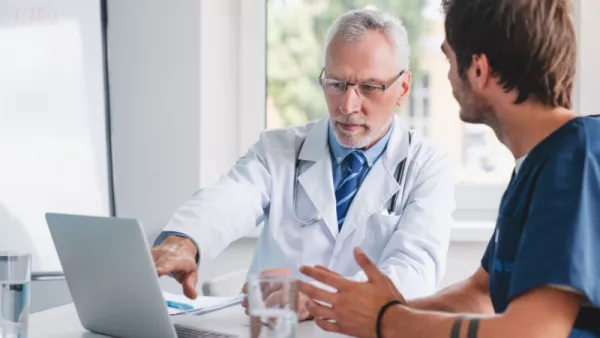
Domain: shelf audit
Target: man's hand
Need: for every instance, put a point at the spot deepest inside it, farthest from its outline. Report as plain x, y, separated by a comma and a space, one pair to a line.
355, 306
177, 255
274, 296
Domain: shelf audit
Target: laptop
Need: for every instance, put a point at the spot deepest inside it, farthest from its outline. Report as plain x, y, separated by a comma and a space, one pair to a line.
112, 279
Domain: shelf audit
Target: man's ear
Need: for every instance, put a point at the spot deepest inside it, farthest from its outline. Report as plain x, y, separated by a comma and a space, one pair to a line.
405, 85
480, 72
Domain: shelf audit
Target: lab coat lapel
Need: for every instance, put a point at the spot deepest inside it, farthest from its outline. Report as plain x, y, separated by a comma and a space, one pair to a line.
380, 183
317, 180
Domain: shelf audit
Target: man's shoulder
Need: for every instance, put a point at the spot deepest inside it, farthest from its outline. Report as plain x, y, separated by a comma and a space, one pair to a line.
590, 130
574, 144
564, 159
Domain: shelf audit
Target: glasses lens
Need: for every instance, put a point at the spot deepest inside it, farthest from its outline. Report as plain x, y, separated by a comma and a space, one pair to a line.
369, 90
331, 86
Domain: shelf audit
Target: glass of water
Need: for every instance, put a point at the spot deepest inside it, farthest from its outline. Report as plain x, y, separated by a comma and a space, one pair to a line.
273, 306
15, 277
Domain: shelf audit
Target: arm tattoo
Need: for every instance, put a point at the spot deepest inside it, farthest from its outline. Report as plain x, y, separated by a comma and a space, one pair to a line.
455, 332
473, 328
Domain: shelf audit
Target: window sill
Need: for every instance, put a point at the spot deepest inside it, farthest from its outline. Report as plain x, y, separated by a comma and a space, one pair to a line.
472, 231
462, 231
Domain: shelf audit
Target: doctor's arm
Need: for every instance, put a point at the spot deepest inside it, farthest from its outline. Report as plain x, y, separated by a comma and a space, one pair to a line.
216, 216
415, 256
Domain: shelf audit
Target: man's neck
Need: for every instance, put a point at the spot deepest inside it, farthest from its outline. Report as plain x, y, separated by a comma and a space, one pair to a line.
520, 128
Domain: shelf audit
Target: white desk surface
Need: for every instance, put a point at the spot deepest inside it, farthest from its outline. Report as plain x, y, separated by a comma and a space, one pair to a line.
63, 322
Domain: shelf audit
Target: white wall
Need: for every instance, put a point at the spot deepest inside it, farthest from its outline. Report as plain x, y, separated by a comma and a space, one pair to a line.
219, 106
589, 54
171, 103
155, 77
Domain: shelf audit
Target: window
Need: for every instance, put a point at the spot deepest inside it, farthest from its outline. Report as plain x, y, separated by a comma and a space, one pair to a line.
53, 138
293, 31
295, 35
418, 106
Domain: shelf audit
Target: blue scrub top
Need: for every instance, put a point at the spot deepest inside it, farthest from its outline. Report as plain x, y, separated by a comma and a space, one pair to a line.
548, 228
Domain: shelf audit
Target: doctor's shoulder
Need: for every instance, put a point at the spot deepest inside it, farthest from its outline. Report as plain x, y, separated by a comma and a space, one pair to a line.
286, 139
426, 154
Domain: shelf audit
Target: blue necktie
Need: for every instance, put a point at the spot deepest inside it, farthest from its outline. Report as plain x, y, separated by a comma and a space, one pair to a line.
349, 186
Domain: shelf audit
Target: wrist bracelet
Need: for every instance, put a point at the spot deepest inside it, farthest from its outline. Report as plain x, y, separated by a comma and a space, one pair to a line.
382, 312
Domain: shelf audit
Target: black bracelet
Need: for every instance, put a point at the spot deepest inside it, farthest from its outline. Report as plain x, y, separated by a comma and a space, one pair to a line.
382, 312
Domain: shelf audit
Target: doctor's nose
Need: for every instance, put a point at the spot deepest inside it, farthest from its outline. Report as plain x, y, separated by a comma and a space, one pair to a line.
351, 101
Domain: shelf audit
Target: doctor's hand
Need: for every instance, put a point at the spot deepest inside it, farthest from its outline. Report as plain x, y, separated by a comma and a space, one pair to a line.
274, 295
354, 307
177, 256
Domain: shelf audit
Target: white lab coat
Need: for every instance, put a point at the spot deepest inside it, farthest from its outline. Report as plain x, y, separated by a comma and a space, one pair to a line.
409, 245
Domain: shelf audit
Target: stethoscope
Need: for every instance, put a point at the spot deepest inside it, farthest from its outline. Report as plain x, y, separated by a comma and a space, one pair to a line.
399, 175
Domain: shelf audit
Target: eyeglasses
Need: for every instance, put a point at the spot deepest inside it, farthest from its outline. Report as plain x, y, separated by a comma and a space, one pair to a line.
367, 90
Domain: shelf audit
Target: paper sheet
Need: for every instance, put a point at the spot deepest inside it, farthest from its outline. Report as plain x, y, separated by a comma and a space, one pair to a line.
201, 305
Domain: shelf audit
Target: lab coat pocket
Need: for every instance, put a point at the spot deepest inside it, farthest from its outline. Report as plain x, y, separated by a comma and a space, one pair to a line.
378, 231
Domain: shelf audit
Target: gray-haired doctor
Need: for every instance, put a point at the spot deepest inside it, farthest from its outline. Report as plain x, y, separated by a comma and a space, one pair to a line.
357, 178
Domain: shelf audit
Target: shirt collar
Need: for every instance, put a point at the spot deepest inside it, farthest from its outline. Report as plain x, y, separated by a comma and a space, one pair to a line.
339, 152
519, 163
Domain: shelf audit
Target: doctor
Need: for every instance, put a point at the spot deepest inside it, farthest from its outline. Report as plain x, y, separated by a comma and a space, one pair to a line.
355, 178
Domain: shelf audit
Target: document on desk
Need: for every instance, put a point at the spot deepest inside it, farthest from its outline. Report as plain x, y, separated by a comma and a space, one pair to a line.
201, 305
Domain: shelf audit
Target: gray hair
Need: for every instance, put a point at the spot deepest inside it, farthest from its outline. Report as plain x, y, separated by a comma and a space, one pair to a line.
353, 25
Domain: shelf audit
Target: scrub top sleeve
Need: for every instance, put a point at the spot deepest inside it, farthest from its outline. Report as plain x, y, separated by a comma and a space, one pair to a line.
562, 231
485, 260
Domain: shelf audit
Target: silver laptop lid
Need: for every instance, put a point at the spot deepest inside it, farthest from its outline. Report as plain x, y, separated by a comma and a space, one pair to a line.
111, 276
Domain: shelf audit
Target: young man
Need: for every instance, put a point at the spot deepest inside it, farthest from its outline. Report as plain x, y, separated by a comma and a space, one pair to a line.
512, 67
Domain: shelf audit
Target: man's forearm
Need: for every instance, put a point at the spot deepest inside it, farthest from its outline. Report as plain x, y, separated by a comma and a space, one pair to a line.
429, 324
406, 322
543, 312
391, 326
463, 297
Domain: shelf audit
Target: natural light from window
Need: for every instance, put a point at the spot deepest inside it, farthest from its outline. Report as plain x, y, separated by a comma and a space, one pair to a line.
295, 35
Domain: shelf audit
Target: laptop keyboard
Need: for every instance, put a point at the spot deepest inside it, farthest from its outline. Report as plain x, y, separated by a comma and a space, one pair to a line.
189, 332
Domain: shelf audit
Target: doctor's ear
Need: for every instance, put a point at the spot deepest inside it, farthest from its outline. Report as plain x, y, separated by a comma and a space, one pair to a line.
404, 82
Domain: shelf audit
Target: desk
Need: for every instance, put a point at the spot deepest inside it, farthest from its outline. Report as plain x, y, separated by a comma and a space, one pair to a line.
63, 322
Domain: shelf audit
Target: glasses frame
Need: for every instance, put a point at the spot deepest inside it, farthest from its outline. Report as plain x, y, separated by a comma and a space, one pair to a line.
382, 87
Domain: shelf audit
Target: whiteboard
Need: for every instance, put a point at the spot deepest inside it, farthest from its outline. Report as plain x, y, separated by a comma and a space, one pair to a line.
53, 125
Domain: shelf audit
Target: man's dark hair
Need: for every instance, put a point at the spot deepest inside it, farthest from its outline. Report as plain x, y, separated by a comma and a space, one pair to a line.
530, 44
